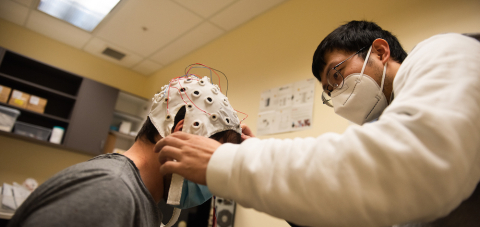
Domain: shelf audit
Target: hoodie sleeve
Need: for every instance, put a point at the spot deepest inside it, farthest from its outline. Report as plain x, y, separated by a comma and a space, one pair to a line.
418, 162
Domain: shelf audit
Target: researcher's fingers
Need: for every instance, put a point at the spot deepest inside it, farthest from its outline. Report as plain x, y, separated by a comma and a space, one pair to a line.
182, 135
169, 153
168, 141
170, 167
247, 131
244, 137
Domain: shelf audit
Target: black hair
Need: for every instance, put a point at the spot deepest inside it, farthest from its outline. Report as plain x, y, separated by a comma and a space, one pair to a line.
148, 132
351, 37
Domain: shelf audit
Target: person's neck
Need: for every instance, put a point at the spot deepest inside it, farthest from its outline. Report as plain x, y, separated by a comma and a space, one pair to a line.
392, 69
146, 160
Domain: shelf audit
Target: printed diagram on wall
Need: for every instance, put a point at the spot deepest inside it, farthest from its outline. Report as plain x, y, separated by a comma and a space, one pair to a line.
286, 108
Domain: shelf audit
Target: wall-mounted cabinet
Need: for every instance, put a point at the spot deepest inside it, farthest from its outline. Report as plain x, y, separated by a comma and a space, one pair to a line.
128, 117
58, 87
81, 106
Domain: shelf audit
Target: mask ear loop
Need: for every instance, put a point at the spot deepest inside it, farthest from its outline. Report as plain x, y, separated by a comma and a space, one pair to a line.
384, 70
173, 219
365, 63
383, 78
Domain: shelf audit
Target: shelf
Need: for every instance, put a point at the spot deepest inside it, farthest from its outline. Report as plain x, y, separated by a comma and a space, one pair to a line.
38, 73
38, 86
30, 139
123, 135
127, 116
41, 142
36, 113
131, 98
83, 107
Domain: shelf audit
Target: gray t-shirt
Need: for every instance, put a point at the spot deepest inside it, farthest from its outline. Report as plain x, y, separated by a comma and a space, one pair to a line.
104, 191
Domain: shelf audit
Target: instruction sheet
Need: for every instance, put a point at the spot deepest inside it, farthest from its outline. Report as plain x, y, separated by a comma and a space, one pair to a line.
286, 108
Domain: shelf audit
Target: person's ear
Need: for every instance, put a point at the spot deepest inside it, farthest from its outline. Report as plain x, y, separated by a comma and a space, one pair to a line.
179, 126
381, 50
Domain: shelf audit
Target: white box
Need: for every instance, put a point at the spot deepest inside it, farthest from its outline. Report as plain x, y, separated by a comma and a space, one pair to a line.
8, 116
125, 127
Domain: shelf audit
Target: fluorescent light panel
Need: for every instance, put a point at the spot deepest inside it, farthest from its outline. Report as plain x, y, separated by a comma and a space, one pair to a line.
85, 14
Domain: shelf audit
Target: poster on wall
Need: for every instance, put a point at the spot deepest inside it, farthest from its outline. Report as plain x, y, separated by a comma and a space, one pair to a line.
286, 108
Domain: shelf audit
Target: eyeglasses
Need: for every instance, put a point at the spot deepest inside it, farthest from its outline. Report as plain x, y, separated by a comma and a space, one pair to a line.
335, 80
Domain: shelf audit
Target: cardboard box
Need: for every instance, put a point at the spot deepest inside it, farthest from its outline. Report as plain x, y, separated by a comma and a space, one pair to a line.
36, 104
19, 99
4, 93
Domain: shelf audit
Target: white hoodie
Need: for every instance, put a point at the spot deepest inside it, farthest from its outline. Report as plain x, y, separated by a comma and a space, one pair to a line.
418, 162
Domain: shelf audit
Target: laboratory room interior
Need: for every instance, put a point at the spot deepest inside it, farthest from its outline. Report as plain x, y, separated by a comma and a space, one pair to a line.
74, 93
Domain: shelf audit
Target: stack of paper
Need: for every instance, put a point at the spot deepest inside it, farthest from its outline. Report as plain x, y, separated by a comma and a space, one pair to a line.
13, 196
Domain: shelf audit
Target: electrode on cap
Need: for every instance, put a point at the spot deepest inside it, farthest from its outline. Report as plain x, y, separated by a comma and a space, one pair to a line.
196, 93
209, 100
196, 124
225, 102
203, 108
214, 117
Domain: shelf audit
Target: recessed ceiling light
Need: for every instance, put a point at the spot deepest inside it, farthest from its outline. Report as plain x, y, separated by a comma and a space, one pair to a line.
85, 14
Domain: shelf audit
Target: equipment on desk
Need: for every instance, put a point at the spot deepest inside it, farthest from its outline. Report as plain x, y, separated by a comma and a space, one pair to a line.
225, 212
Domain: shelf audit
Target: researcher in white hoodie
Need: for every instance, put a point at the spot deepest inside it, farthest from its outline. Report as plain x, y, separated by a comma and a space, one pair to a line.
414, 156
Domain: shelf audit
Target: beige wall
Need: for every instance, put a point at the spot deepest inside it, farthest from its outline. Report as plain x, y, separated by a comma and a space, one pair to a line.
20, 160
49, 51
277, 47
271, 50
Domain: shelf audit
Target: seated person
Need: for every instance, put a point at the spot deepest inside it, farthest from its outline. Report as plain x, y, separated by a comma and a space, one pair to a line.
124, 190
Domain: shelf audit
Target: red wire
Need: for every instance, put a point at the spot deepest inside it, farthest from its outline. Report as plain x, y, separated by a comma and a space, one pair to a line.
181, 95
191, 100
219, 83
168, 97
242, 113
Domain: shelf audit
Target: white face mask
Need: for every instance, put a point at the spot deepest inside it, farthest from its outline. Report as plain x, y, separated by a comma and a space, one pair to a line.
360, 99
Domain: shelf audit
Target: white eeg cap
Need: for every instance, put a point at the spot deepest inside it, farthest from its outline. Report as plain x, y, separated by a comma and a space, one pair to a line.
207, 109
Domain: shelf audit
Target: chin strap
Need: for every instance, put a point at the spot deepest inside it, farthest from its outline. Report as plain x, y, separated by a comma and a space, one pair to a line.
174, 196
175, 191
173, 219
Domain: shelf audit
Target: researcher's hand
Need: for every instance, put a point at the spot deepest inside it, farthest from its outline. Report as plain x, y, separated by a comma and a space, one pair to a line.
191, 152
246, 132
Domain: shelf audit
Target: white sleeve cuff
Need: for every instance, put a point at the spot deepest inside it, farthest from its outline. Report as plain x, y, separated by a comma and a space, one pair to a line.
219, 169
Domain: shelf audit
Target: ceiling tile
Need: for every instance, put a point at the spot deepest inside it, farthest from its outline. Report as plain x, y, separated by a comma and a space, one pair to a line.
26, 3
147, 67
198, 37
57, 29
241, 12
163, 20
205, 8
13, 12
96, 46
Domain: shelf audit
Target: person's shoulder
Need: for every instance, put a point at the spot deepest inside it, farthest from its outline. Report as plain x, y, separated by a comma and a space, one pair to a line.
451, 42
112, 164
102, 171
